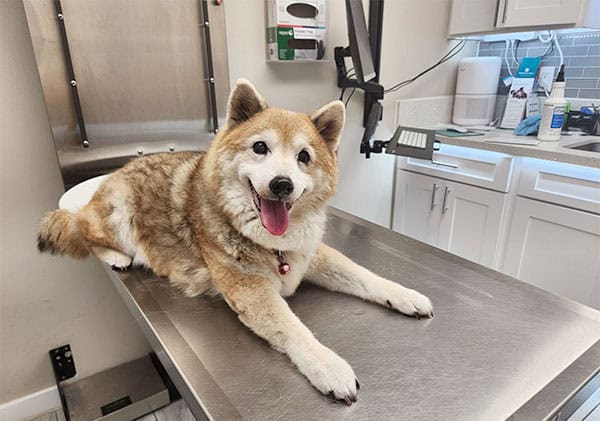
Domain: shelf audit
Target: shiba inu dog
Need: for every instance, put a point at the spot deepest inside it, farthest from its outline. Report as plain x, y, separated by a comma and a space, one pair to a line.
243, 220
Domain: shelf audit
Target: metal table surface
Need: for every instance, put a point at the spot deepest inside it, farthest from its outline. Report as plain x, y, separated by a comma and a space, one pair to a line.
494, 346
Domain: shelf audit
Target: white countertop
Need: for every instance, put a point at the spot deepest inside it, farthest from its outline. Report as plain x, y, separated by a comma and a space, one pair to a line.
552, 151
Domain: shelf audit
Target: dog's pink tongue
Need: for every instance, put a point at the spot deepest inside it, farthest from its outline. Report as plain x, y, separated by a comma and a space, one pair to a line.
274, 216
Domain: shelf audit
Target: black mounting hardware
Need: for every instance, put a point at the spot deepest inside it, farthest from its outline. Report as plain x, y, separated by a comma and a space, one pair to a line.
62, 362
160, 369
370, 127
378, 147
71, 74
373, 91
375, 34
209, 65
64, 368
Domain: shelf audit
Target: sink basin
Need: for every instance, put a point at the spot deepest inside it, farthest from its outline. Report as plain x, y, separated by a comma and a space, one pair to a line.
590, 146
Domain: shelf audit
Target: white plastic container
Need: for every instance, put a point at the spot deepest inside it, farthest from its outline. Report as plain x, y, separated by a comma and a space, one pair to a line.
553, 112
476, 88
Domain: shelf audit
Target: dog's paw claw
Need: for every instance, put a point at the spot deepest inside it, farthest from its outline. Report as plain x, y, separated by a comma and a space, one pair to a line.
120, 268
330, 374
357, 384
409, 302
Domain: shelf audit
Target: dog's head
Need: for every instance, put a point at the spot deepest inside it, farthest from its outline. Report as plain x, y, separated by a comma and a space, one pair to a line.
275, 168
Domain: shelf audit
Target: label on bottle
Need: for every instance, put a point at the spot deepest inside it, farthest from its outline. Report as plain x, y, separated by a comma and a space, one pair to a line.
558, 116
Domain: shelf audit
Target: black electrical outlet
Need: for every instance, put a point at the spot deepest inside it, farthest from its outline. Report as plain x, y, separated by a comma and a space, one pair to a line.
62, 362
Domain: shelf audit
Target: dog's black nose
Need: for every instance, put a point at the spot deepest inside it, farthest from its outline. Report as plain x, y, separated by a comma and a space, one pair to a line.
281, 186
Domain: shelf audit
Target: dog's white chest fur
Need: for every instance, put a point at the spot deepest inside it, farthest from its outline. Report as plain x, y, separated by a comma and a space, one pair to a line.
298, 267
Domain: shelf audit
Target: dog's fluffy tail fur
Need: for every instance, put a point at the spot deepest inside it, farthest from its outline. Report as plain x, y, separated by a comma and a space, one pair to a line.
60, 234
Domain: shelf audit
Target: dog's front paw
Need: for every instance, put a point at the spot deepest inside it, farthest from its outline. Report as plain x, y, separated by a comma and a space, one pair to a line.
331, 375
408, 301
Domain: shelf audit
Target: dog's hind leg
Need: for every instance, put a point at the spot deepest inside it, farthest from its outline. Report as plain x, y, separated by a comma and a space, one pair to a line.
191, 279
117, 260
332, 270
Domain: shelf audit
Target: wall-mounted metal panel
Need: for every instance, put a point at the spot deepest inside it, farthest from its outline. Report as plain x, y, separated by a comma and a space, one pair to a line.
141, 73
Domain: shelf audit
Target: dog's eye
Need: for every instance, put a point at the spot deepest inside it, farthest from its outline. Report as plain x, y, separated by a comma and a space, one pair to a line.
260, 148
303, 157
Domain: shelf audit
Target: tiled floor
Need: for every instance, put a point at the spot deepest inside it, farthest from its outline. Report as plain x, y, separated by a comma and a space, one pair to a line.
177, 411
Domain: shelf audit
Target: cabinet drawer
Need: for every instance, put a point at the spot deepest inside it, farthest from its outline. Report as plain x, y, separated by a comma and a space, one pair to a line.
555, 248
563, 184
491, 170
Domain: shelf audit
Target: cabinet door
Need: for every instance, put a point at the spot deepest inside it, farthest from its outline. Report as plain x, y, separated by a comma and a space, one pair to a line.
470, 222
514, 13
416, 206
472, 16
555, 248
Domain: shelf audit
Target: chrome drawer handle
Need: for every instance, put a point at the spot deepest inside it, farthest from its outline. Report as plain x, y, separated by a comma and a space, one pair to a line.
445, 164
435, 187
446, 193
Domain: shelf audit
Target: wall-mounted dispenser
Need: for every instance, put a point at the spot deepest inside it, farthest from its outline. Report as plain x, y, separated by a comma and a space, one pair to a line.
296, 30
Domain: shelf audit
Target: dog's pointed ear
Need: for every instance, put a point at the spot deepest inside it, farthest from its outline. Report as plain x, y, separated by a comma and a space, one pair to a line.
329, 121
244, 102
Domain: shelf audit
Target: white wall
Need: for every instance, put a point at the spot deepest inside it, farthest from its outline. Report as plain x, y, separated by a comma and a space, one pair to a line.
45, 301
414, 37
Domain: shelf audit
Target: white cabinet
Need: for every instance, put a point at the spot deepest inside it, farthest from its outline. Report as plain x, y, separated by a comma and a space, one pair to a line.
416, 201
523, 13
471, 218
538, 221
555, 248
491, 170
461, 219
471, 17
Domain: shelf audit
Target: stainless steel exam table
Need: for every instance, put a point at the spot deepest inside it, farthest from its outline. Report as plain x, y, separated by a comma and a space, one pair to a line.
496, 348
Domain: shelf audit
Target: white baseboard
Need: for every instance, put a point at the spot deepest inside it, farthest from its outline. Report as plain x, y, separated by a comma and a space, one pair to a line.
29, 406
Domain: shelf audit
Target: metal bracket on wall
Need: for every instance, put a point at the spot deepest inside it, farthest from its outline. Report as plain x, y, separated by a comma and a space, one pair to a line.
212, 95
71, 73
64, 368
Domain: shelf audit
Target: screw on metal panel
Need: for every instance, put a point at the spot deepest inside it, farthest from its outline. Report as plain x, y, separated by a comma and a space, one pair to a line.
206, 24
60, 17
85, 144
216, 131
211, 80
171, 148
73, 82
140, 151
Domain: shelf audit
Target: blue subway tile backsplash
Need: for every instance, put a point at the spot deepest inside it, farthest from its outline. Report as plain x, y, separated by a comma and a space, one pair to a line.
581, 56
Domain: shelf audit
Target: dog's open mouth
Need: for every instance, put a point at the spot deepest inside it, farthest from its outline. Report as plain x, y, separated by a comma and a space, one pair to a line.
274, 214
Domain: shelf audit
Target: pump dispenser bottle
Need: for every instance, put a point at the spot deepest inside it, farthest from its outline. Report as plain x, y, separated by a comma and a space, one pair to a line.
553, 113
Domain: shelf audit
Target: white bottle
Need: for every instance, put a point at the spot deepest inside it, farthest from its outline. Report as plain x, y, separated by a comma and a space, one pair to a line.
553, 112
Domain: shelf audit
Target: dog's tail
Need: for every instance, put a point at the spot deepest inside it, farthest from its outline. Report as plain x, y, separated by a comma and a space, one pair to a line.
60, 234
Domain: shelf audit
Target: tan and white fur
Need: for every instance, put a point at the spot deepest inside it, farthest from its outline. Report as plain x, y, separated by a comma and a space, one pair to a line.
214, 222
